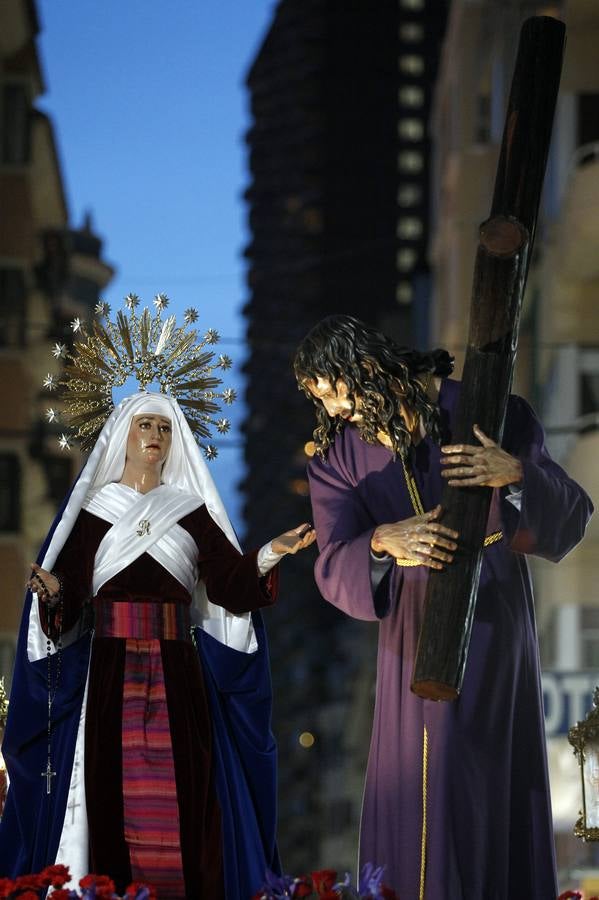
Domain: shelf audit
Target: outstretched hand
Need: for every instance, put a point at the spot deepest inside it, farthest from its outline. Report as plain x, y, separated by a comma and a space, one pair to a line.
294, 540
484, 465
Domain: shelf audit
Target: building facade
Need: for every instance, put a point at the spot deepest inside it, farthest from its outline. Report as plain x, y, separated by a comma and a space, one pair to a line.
49, 273
557, 367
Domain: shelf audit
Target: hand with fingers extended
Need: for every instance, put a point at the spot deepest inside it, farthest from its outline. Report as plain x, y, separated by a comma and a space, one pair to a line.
482, 465
422, 539
44, 584
294, 540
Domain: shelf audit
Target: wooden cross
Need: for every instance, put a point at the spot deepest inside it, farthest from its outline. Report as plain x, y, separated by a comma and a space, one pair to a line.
48, 774
502, 258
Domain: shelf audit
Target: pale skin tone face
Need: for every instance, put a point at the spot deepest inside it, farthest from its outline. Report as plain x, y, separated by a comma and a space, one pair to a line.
148, 444
423, 538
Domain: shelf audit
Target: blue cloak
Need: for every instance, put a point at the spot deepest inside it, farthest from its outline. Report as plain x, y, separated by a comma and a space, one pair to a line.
238, 686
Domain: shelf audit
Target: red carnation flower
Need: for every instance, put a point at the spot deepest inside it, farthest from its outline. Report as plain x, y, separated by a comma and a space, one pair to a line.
570, 895
302, 887
103, 884
7, 886
324, 880
57, 876
29, 883
105, 891
61, 894
29, 895
329, 895
97, 880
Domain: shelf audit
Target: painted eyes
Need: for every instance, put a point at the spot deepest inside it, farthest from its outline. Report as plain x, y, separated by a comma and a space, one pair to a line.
165, 429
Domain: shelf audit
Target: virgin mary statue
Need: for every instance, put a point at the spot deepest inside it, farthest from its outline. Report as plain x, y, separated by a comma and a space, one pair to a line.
138, 741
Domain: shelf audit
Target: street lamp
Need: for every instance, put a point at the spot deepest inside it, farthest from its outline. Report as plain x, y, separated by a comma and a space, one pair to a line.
584, 737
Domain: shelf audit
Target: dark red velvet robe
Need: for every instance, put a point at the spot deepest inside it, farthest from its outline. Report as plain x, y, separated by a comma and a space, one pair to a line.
232, 581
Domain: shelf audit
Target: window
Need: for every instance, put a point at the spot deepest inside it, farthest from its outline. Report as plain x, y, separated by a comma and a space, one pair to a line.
411, 32
15, 124
589, 393
409, 195
589, 637
588, 118
409, 228
12, 307
411, 64
10, 492
411, 95
411, 129
58, 477
410, 161
406, 259
403, 294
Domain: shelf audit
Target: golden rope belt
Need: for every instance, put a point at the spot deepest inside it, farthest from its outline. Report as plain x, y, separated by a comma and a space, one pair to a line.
419, 510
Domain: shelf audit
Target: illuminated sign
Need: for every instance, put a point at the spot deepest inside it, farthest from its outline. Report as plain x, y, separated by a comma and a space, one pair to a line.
567, 698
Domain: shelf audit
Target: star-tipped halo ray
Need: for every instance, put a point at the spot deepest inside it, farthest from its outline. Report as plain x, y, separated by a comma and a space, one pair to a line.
156, 352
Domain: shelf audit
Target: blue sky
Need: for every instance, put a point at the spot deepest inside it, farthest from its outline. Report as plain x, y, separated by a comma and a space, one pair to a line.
149, 108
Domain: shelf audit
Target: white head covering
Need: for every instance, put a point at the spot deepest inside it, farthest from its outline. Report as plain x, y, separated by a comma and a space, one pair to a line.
185, 470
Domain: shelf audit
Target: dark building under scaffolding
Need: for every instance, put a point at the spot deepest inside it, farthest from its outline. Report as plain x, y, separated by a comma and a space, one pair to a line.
338, 199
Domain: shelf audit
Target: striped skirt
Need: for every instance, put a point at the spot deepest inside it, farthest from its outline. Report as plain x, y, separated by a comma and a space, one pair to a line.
156, 818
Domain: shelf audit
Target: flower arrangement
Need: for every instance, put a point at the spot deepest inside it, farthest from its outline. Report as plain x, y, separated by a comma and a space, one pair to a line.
325, 885
31, 887
575, 895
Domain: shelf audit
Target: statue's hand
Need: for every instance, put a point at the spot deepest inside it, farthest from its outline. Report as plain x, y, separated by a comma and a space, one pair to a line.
294, 540
421, 539
45, 584
484, 465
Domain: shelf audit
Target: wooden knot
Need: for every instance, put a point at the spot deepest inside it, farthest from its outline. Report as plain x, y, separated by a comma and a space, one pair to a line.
502, 236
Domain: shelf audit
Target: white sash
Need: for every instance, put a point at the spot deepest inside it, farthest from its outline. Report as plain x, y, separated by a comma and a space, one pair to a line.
169, 544
144, 523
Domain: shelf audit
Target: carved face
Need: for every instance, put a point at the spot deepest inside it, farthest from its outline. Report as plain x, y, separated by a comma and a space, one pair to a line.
149, 440
336, 400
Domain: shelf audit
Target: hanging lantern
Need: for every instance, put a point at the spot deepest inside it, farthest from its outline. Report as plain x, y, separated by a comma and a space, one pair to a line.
584, 737
3, 772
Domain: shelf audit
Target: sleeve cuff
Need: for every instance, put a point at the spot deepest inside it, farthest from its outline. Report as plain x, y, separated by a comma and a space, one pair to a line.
514, 496
267, 559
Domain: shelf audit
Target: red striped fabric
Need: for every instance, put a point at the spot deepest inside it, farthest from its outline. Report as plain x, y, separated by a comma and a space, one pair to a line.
123, 619
151, 811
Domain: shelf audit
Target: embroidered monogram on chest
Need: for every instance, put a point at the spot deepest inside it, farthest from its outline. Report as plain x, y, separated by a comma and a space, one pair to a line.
144, 527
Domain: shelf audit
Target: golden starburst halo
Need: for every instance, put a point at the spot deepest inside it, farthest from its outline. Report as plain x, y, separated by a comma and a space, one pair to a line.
153, 350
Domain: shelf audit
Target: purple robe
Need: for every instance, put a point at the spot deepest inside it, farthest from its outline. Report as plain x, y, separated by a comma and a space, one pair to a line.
484, 831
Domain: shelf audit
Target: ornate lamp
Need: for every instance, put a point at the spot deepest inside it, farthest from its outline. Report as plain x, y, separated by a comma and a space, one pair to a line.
3, 772
584, 737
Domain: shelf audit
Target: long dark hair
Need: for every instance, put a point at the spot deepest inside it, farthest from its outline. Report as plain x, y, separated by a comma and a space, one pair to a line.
378, 371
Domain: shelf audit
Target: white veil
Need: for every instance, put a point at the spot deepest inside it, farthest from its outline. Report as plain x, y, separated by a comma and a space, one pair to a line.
185, 470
